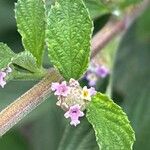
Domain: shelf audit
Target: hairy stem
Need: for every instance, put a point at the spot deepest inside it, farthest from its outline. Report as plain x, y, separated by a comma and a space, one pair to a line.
27, 102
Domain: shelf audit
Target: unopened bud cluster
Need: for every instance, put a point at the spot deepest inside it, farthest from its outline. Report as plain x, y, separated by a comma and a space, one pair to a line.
72, 98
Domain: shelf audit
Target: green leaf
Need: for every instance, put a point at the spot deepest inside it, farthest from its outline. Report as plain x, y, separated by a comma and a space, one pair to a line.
6, 54
30, 17
26, 68
111, 125
68, 37
26, 60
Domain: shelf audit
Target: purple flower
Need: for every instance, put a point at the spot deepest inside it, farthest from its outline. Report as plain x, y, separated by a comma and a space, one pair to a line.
92, 78
92, 91
74, 113
2, 79
61, 89
102, 71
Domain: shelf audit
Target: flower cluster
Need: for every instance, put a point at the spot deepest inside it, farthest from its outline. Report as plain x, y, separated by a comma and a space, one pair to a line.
3, 74
72, 98
95, 72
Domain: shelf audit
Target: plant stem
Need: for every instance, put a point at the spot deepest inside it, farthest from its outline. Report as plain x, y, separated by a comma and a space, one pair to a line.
27, 102
115, 27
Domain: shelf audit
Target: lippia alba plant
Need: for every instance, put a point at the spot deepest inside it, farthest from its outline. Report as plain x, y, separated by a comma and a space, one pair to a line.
65, 30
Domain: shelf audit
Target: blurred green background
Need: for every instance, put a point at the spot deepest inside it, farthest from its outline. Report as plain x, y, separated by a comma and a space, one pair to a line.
45, 128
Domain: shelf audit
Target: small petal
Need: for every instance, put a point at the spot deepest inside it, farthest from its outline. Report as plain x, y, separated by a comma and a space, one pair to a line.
74, 113
54, 86
92, 83
58, 103
102, 71
92, 78
67, 115
60, 89
2, 74
73, 82
2, 79
64, 83
92, 91
2, 84
75, 122
86, 94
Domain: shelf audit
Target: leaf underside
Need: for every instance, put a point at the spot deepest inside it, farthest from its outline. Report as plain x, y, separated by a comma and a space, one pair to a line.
6, 54
111, 125
68, 37
26, 60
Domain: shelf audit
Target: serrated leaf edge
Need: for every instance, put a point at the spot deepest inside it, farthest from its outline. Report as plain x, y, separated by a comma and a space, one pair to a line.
123, 113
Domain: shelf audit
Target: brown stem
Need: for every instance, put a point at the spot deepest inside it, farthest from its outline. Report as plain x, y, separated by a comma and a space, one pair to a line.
27, 102
115, 27
105, 35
